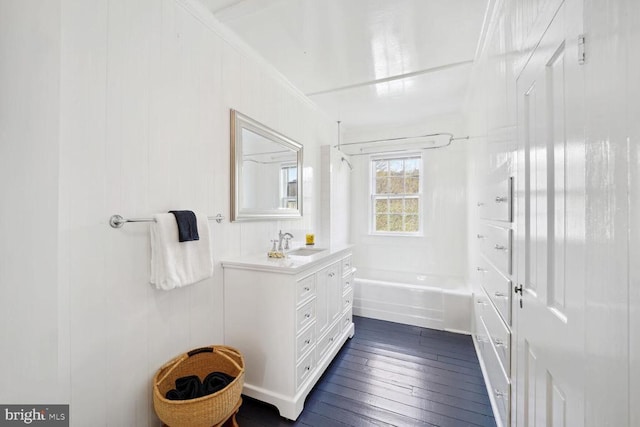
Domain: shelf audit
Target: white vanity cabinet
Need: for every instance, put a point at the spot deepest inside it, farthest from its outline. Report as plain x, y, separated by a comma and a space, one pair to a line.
289, 318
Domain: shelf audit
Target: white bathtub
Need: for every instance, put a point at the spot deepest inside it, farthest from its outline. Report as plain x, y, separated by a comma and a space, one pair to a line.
430, 301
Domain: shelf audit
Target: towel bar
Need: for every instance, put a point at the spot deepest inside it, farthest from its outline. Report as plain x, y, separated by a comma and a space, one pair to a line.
117, 221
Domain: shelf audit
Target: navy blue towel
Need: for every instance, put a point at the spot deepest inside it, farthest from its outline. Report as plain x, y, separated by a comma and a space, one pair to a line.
215, 382
187, 225
190, 387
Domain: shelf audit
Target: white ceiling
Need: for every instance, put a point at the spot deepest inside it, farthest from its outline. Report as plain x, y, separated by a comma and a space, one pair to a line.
368, 63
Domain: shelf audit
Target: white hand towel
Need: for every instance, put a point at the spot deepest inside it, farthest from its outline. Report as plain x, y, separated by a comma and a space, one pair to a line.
175, 264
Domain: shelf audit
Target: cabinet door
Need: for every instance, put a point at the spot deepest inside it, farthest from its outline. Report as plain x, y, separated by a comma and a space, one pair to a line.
335, 294
329, 296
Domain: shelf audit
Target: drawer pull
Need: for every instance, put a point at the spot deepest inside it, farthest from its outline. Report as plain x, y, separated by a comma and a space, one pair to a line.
480, 236
498, 247
481, 270
307, 315
306, 288
500, 394
348, 283
479, 204
499, 295
348, 302
500, 199
499, 342
307, 368
347, 265
307, 341
481, 302
331, 339
332, 274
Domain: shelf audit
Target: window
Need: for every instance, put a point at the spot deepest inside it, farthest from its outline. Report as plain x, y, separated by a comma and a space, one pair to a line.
395, 195
289, 187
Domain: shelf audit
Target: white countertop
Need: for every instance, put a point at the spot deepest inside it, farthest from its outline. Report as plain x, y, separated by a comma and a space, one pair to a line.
290, 264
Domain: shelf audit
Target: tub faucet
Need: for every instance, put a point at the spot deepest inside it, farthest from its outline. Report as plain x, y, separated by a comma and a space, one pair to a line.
285, 237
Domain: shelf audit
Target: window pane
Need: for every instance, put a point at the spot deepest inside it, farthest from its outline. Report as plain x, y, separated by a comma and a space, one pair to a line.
396, 206
395, 223
412, 167
382, 223
396, 167
382, 185
411, 206
396, 185
411, 223
412, 185
382, 206
382, 168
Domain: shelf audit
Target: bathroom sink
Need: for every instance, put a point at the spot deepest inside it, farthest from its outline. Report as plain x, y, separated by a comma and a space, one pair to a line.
306, 251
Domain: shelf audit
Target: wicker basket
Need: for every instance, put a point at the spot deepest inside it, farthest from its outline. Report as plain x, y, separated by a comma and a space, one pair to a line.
203, 411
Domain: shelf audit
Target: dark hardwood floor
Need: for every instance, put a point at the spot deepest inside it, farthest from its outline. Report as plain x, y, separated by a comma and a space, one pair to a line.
391, 374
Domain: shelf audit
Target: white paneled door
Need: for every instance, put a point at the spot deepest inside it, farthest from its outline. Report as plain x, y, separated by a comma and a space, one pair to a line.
549, 307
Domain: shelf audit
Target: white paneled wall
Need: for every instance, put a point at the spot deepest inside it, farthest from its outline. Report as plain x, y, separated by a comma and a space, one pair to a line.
33, 349
336, 196
633, 112
442, 250
128, 105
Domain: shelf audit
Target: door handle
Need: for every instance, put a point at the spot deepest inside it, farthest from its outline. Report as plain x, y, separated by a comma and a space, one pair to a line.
517, 289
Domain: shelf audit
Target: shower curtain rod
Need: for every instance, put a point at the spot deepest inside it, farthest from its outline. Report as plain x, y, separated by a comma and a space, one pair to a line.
399, 150
399, 138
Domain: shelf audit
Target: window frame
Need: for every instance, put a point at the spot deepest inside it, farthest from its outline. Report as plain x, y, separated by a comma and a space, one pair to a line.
373, 196
284, 185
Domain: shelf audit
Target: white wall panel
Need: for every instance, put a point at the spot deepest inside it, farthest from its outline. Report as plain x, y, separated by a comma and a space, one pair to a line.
33, 306
633, 143
442, 249
146, 89
607, 284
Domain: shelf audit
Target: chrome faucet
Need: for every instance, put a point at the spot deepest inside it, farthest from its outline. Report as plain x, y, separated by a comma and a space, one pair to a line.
286, 237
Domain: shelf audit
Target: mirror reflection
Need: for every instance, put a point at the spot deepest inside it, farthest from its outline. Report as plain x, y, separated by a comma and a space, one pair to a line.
267, 170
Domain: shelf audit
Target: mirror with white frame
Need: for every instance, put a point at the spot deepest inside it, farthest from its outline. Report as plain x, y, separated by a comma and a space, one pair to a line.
266, 172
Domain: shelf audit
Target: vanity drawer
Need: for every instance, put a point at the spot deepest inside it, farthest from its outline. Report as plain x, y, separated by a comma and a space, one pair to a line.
305, 368
346, 265
305, 288
347, 300
496, 246
498, 381
499, 336
347, 281
305, 341
498, 288
305, 315
326, 342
